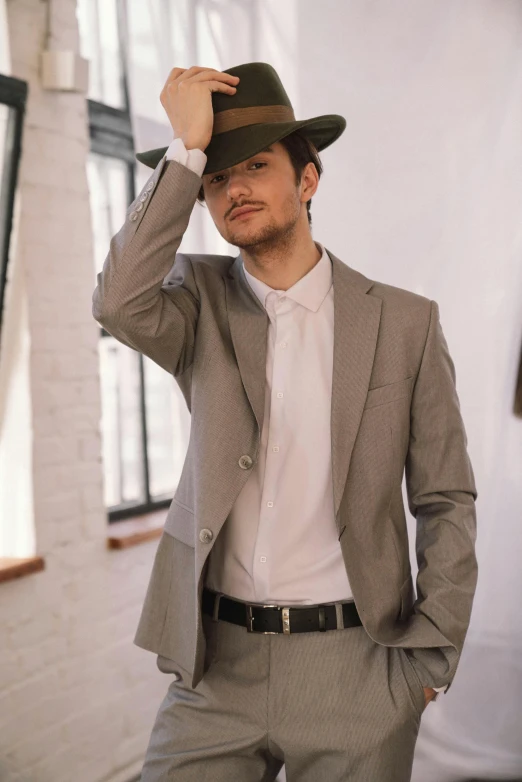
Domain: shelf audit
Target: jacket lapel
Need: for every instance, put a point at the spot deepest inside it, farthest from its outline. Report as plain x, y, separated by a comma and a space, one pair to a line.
248, 321
356, 325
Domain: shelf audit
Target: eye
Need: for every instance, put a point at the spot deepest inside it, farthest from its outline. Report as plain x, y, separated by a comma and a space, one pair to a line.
257, 163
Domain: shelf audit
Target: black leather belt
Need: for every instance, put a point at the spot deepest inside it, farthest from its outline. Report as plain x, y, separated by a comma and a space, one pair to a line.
270, 619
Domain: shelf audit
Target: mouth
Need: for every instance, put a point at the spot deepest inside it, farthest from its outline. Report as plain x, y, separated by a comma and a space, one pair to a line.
245, 213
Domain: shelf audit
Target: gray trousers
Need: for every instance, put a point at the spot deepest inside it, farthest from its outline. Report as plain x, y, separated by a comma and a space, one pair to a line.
330, 706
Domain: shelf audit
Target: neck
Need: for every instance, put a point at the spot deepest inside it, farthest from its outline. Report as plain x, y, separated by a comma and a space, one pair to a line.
282, 266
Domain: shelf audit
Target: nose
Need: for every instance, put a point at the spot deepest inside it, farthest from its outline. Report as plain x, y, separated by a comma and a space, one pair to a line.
237, 187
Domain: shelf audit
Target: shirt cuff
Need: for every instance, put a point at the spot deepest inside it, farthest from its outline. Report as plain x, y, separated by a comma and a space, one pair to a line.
195, 159
440, 689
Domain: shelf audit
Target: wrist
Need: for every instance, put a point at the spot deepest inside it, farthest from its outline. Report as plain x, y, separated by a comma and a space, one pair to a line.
195, 143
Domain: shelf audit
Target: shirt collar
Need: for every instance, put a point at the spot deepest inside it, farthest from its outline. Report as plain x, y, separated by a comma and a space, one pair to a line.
309, 291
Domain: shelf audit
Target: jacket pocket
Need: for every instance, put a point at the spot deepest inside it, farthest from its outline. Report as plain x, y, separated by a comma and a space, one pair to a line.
415, 688
181, 523
389, 392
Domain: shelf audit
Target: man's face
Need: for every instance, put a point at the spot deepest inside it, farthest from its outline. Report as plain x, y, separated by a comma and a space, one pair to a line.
266, 182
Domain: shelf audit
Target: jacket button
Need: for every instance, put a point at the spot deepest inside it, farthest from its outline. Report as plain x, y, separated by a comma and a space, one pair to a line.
206, 535
133, 216
245, 462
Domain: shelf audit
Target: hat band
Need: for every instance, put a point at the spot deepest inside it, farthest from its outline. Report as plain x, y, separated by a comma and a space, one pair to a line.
250, 115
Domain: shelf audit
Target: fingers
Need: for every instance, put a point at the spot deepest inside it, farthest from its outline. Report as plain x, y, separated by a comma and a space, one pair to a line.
204, 74
218, 86
199, 73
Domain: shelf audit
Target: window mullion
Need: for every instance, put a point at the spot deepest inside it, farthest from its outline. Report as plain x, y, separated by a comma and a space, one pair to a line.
145, 449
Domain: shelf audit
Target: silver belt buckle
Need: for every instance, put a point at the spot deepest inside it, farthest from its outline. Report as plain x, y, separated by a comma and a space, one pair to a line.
286, 619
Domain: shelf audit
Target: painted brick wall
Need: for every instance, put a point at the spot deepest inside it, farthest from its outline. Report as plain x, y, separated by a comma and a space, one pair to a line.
77, 698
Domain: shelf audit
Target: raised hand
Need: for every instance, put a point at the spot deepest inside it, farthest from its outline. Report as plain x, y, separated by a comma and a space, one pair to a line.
187, 99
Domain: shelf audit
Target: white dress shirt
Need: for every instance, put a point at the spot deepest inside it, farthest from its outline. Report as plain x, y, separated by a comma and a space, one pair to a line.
280, 543
195, 159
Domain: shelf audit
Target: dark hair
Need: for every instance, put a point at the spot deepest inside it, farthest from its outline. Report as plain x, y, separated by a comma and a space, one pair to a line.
301, 151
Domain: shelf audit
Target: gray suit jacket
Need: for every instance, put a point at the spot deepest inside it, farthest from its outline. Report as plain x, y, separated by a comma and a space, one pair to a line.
394, 408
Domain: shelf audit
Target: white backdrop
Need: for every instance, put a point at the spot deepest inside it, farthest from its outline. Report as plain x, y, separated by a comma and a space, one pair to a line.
423, 191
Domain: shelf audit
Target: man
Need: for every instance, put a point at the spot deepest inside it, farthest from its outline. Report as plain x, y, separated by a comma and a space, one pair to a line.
281, 594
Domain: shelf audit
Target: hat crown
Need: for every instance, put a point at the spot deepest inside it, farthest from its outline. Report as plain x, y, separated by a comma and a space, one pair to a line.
257, 114
258, 85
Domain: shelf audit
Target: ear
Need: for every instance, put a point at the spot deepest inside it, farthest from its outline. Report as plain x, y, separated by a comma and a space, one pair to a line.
309, 181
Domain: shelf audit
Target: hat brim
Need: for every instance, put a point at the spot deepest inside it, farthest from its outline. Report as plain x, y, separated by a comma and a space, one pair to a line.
234, 146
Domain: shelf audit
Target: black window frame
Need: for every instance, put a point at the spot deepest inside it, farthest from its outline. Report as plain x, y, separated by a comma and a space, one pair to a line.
13, 93
111, 135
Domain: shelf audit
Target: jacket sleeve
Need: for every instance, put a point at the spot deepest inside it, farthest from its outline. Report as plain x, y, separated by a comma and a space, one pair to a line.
132, 299
441, 496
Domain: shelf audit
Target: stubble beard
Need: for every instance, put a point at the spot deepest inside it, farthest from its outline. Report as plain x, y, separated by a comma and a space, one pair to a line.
267, 237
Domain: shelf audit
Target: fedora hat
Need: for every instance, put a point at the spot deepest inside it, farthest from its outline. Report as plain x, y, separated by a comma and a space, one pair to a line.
258, 114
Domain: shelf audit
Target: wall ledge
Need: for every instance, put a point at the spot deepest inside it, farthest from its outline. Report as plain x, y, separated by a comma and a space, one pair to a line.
17, 567
140, 529
122, 534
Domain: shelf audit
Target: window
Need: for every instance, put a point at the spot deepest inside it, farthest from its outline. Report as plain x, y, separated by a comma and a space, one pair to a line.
145, 424
100, 43
13, 94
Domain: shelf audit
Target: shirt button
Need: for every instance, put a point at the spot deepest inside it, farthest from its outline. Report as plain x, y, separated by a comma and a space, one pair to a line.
275, 448
280, 395
262, 559
270, 504
283, 344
